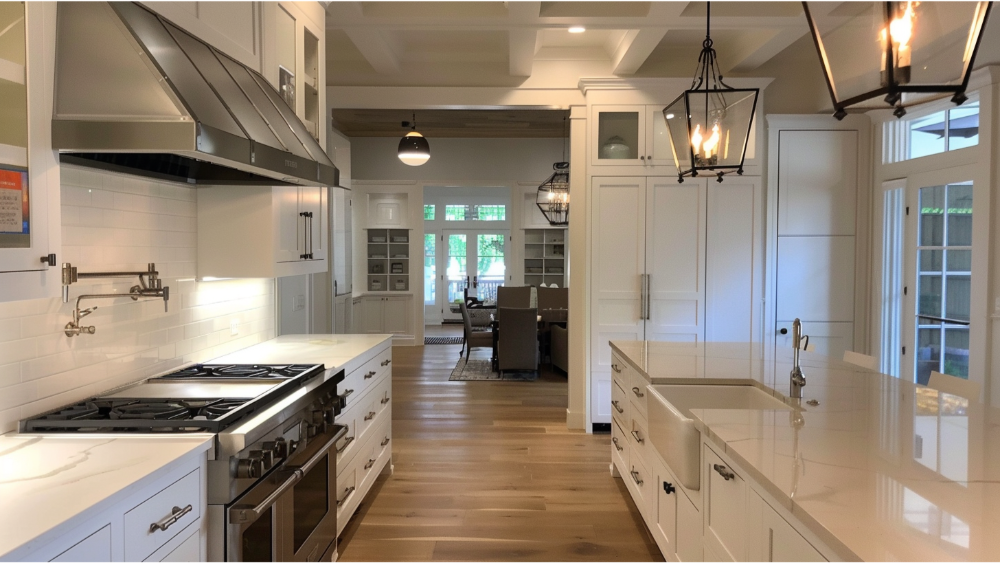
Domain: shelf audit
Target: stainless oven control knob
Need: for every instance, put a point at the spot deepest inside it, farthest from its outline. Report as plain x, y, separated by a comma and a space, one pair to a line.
266, 458
250, 468
317, 417
280, 447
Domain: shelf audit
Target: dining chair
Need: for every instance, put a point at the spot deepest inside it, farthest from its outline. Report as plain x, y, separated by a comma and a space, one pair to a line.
517, 346
954, 386
473, 339
553, 298
862, 360
514, 297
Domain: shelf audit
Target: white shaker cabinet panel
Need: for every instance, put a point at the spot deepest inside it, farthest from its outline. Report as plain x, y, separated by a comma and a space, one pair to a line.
290, 226
95, 547
816, 278
733, 259
780, 542
675, 259
726, 526
818, 182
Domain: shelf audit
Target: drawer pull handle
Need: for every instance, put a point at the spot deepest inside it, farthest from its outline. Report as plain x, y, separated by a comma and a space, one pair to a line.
635, 434
668, 487
614, 440
370, 463
635, 477
349, 491
638, 393
724, 471
386, 441
616, 368
347, 442
370, 375
386, 362
343, 396
176, 513
370, 415
617, 408
385, 400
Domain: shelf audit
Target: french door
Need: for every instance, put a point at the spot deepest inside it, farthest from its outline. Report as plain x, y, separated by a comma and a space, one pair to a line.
470, 259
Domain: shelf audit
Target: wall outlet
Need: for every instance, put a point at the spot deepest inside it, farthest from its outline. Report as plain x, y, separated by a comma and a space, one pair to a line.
234, 327
299, 303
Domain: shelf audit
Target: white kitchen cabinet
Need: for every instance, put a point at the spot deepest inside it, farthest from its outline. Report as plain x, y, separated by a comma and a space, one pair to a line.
776, 540
386, 315
726, 524
689, 531
388, 211
262, 232
545, 257
664, 510
95, 547
630, 135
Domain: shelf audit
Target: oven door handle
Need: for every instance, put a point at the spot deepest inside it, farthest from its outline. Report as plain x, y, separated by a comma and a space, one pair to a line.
244, 514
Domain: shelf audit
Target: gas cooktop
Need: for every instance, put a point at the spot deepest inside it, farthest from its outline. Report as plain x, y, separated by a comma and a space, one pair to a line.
199, 398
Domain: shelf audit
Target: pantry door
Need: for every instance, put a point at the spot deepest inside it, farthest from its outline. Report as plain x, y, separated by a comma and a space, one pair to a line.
473, 259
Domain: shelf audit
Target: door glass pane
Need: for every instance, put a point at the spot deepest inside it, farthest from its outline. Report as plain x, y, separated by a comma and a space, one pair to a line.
931, 260
491, 265
457, 268
958, 297
928, 353
927, 135
618, 135
932, 216
311, 501
960, 215
956, 352
430, 268
257, 540
959, 260
930, 296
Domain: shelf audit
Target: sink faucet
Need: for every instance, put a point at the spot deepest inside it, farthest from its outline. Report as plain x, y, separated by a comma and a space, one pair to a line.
798, 381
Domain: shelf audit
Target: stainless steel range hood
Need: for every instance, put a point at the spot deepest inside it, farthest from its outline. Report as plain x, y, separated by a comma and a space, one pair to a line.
136, 94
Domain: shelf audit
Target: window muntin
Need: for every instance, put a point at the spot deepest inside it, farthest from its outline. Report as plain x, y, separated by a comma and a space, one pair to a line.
430, 268
429, 212
946, 130
475, 212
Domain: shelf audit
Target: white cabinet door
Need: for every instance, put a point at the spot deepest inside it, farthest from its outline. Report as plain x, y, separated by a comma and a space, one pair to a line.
726, 509
664, 509
313, 200
675, 255
371, 315
396, 315
734, 259
95, 547
618, 135
781, 542
658, 150
689, 530
290, 226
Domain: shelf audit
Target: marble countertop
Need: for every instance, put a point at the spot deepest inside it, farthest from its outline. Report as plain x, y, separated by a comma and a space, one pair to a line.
882, 469
335, 351
50, 484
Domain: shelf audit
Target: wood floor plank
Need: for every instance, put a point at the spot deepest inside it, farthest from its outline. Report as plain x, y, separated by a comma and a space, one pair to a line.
488, 471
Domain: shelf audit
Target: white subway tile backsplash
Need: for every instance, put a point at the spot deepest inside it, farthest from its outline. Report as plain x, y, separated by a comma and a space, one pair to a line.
117, 222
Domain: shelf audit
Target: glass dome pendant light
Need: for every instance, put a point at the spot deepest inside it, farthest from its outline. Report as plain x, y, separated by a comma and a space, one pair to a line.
413, 147
709, 124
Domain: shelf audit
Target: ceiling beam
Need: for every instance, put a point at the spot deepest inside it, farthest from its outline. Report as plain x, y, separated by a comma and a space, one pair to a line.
523, 43
748, 58
634, 49
375, 49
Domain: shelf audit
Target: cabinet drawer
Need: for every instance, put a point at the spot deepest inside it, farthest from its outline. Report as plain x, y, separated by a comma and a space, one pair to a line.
619, 370
619, 404
185, 547
347, 494
726, 507
347, 445
637, 391
639, 439
642, 483
172, 508
95, 547
619, 444
781, 542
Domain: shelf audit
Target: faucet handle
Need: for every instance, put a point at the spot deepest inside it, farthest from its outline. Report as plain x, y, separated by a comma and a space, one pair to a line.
85, 312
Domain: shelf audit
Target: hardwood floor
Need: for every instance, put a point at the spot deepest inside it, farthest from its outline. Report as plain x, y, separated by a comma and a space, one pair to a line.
488, 471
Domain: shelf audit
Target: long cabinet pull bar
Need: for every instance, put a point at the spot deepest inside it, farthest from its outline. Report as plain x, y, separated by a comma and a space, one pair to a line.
614, 440
635, 434
347, 442
635, 477
349, 491
638, 393
305, 235
642, 297
617, 408
370, 463
175, 514
724, 471
386, 441
649, 298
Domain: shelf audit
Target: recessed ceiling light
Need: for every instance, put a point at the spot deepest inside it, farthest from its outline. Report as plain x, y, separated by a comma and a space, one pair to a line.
577, 29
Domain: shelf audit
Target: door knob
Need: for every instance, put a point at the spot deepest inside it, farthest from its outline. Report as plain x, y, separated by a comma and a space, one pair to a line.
783, 331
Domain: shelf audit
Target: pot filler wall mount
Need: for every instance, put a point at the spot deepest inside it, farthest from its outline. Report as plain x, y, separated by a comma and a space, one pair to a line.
134, 93
150, 285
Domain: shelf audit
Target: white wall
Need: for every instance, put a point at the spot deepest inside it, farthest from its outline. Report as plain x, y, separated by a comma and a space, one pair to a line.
114, 222
476, 161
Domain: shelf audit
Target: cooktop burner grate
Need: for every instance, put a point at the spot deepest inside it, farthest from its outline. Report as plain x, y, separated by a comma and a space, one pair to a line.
238, 371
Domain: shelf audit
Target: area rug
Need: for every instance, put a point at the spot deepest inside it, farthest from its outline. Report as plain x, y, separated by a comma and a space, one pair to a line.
479, 370
429, 340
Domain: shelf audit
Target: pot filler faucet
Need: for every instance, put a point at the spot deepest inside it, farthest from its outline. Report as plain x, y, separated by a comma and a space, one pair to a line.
798, 381
150, 285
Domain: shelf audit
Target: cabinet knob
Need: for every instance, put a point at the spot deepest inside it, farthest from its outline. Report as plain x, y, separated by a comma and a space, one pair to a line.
50, 260
668, 487
783, 331
642, 158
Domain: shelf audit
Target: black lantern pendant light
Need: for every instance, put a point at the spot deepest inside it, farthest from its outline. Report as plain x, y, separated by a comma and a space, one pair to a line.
413, 147
552, 197
899, 53
709, 124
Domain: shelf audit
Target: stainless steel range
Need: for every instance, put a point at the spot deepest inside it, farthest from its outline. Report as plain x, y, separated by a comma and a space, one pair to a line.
271, 483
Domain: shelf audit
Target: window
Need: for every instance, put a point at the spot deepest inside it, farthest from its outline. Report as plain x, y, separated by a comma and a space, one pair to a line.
429, 212
430, 265
944, 280
475, 212
947, 130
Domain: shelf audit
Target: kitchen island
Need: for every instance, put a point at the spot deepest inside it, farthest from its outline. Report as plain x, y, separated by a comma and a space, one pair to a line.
877, 469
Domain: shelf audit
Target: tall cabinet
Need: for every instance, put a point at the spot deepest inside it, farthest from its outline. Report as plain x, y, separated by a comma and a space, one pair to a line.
670, 261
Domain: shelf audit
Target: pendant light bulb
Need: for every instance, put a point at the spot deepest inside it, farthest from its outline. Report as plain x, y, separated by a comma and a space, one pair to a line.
414, 150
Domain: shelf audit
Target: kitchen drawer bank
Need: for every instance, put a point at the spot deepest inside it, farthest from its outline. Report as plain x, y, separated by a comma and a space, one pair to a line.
366, 450
97, 498
842, 476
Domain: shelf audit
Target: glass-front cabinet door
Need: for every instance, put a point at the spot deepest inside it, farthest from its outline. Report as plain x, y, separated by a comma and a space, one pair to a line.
619, 135
16, 206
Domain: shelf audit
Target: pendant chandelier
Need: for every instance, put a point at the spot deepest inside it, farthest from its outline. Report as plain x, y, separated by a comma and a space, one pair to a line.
710, 123
896, 53
553, 195
413, 147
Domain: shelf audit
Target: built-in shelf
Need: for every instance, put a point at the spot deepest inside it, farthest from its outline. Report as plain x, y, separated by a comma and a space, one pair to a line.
388, 260
545, 257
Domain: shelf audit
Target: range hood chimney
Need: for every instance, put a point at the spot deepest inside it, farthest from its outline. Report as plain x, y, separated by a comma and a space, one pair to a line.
134, 93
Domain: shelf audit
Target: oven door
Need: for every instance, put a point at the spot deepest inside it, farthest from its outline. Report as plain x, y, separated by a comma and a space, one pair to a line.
292, 514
